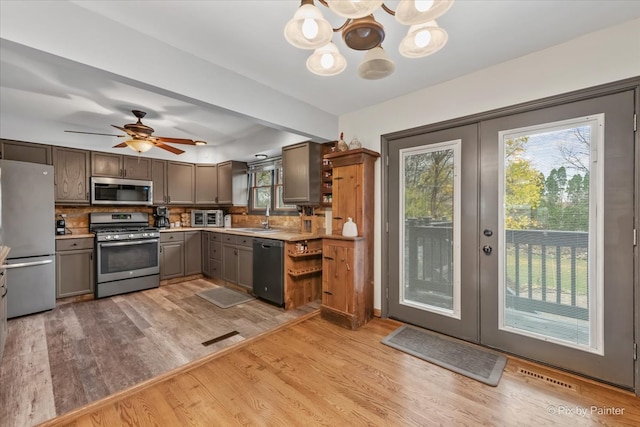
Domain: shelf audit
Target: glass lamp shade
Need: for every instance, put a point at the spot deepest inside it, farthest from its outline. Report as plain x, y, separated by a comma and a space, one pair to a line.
363, 33
326, 61
423, 40
376, 65
308, 29
139, 145
354, 9
412, 12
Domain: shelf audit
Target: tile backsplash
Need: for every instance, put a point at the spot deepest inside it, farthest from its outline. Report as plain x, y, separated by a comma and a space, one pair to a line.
77, 217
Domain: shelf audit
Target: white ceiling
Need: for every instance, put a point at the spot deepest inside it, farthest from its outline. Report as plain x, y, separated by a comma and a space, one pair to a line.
221, 71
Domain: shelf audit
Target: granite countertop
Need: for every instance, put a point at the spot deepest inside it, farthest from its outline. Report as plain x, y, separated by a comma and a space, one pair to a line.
286, 235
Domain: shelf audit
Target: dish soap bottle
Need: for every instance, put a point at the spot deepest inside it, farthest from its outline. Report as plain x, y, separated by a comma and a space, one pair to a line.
349, 229
342, 146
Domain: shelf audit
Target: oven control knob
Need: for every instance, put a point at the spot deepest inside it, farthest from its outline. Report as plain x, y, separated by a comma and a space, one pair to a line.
116, 237
131, 236
108, 237
145, 234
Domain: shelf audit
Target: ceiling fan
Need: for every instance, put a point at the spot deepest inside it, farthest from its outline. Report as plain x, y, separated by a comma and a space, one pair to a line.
141, 137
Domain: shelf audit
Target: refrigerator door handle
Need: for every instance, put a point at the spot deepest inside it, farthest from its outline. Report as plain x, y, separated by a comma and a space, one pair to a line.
27, 264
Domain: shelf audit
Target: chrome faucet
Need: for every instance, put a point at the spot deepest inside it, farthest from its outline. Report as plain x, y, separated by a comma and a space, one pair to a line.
265, 223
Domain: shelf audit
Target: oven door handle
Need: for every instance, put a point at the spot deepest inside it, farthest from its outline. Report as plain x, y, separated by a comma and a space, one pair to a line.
129, 243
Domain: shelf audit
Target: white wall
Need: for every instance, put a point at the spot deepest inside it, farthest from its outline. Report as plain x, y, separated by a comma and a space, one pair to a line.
604, 56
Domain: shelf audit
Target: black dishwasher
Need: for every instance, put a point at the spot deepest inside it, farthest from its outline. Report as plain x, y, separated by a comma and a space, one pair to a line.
268, 270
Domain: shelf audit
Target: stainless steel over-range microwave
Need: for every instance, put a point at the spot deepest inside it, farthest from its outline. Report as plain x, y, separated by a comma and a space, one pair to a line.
120, 191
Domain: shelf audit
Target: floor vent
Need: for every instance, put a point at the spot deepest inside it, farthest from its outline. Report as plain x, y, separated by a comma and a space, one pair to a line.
220, 338
548, 379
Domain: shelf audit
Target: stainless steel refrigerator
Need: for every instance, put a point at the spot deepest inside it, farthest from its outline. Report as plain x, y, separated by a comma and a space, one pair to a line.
27, 224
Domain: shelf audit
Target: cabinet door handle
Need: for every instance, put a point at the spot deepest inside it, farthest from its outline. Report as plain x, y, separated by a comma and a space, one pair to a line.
348, 268
337, 178
328, 257
328, 292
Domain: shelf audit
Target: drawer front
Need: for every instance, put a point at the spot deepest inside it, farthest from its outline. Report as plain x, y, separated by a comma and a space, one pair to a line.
176, 236
215, 250
245, 241
74, 244
229, 238
216, 237
215, 266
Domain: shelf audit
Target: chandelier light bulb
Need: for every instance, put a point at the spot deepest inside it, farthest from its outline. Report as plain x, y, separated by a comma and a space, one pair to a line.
327, 61
355, 8
423, 5
309, 28
422, 38
413, 12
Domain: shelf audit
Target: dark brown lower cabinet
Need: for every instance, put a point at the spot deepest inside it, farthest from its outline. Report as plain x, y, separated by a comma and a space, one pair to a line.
347, 289
74, 267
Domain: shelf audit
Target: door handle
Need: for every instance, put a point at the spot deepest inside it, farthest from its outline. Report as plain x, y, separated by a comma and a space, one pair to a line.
27, 264
487, 249
488, 232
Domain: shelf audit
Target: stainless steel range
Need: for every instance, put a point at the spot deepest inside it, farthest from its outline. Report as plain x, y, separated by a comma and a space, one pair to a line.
128, 252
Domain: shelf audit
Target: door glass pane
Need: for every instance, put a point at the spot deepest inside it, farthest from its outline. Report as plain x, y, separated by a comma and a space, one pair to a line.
549, 273
429, 246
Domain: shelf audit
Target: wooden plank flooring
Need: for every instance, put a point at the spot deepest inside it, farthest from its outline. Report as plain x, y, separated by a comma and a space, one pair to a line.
316, 373
81, 352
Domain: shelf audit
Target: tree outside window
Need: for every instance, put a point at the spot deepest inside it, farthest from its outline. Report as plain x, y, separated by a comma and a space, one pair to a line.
266, 191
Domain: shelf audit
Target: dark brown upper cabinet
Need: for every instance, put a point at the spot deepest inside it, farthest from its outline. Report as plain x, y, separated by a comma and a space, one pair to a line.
120, 166
25, 152
302, 173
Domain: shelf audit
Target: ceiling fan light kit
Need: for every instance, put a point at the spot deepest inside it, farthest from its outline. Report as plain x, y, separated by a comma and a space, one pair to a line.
139, 145
141, 137
308, 29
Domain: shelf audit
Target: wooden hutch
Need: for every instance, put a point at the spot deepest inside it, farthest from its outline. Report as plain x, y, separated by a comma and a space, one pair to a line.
347, 262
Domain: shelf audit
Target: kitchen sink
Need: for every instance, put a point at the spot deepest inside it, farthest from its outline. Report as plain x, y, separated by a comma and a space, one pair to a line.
256, 230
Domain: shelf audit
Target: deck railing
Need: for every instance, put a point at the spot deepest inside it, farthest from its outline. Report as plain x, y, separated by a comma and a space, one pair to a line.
546, 270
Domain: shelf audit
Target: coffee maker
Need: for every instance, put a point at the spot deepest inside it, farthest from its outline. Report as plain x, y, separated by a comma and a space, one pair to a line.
162, 217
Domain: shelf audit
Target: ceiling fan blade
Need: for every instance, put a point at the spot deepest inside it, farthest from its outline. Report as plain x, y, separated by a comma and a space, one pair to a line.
129, 132
121, 145
169, 148
174, 140
93, 133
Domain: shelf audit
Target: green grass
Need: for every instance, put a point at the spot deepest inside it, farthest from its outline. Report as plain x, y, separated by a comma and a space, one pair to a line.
536, 273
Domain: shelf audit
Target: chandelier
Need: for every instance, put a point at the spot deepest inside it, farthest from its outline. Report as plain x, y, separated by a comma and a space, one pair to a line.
309, 30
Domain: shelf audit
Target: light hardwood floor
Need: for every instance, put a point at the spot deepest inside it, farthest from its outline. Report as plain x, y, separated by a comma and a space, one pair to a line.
316, 373
80, 352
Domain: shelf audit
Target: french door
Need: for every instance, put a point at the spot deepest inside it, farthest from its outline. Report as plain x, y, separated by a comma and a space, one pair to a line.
517, 233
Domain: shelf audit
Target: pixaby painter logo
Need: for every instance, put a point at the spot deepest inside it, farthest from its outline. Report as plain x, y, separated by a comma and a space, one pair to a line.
583, 411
